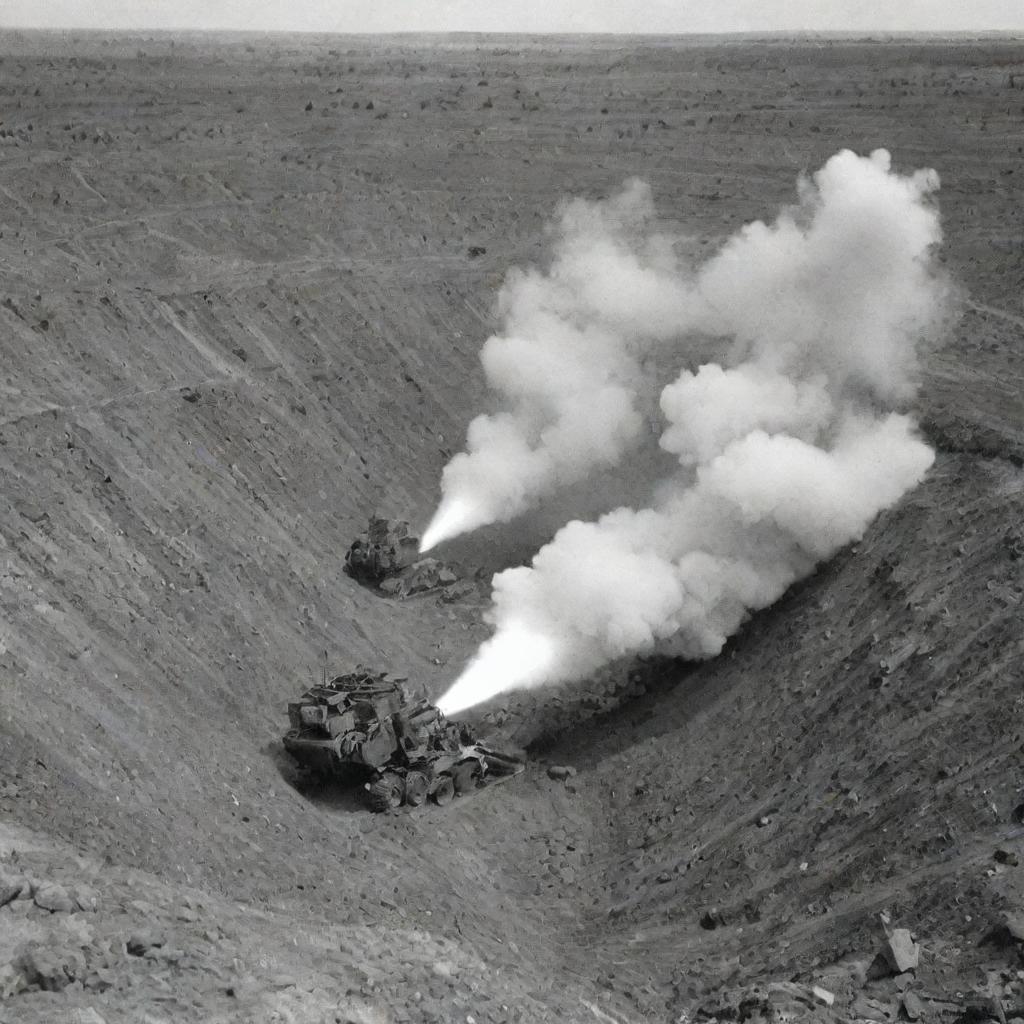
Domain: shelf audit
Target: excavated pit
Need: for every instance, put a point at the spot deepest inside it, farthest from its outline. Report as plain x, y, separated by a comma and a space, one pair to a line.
243, 293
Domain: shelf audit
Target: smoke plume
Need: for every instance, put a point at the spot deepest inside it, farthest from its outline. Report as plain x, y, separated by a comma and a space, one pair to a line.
566, 368
787, 446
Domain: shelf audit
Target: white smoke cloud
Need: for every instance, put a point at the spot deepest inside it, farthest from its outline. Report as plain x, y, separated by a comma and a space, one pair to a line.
787, 448
708, 409
566, 367
841, 284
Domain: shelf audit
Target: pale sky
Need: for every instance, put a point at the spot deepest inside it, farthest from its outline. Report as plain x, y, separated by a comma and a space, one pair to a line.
654, 16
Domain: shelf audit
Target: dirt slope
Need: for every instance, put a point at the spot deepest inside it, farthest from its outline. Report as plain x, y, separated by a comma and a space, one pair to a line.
239, 314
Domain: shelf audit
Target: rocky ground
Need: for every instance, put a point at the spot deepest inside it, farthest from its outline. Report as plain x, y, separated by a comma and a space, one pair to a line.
243, 283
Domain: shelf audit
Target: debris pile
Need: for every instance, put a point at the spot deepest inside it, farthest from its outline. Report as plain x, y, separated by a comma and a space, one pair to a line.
427, 576
385, 557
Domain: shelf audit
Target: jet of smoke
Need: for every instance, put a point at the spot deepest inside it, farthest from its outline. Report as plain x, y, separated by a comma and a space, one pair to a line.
787, 448
566, 367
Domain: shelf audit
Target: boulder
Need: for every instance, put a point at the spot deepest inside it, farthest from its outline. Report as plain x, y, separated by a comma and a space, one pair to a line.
902, 952
55, 898
823, 996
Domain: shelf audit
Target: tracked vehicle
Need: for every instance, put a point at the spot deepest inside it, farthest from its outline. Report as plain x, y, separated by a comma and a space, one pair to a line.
384, 549
365, 729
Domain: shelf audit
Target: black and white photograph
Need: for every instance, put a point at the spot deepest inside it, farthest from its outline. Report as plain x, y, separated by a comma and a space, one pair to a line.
511, 514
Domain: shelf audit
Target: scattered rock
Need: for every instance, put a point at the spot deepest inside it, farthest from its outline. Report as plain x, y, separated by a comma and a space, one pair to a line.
166, 953
903, 953
55, 898
1015, 926
823, 995
77, 928
12, 981
443, 969
87, 1016
912, 1006
85, 897
561, 772
764, 822
9, 892
190, 395
34, 514
866, 1008
878, 968
50, 968
1007, 857
787, 1000
423, 576
457, 592
711, 919
246, 987
139, 943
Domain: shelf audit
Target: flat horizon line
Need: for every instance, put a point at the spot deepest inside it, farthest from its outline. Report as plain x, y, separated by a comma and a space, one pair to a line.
846, 35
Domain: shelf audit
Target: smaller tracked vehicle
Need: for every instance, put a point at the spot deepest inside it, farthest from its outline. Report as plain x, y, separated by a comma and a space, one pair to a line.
364, 728
384, 549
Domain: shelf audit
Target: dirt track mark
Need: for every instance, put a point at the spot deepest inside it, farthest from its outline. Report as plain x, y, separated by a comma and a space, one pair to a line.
80, 178
226, 368
1002, 314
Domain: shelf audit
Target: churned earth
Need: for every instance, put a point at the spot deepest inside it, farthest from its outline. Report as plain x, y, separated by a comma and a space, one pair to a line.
243, 284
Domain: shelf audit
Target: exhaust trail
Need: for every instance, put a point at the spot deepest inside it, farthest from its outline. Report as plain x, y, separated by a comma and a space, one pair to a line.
566, 369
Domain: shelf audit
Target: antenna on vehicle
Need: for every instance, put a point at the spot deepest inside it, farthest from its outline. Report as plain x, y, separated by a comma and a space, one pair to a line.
325, 667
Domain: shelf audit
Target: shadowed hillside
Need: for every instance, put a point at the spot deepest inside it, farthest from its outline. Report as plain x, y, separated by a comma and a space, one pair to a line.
241, 300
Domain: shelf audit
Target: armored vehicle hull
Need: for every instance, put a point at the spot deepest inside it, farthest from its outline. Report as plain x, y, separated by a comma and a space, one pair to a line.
365, 729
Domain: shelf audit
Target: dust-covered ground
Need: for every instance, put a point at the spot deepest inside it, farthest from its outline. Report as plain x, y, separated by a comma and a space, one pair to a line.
243, 283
